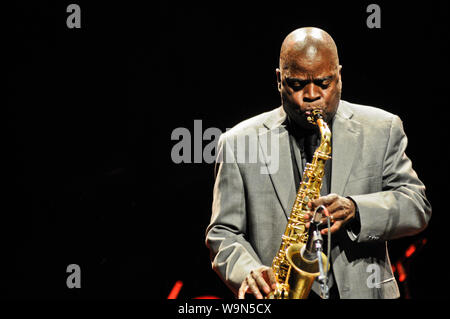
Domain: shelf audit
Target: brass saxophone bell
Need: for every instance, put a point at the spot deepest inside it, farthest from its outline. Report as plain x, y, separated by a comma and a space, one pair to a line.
303, 272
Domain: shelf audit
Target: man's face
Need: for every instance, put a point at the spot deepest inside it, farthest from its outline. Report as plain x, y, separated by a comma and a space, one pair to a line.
309, 83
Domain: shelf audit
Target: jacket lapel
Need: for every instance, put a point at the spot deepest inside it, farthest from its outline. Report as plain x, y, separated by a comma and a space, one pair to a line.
282, 178
345, 143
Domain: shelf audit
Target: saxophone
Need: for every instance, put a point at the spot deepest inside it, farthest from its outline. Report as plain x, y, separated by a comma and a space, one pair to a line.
295, 274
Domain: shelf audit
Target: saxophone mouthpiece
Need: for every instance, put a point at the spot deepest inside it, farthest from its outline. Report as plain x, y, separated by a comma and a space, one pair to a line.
314, 115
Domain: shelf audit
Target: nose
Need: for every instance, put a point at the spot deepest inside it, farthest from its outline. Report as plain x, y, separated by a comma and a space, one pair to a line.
311, 93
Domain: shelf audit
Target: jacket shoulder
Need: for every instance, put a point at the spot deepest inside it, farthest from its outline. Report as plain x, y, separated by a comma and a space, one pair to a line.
371, 116
369, 113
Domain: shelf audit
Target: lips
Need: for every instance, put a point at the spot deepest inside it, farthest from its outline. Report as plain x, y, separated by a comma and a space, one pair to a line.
309, 111
309, 107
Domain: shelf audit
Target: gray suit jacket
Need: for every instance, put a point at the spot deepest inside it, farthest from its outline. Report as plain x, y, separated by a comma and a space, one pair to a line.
250, 208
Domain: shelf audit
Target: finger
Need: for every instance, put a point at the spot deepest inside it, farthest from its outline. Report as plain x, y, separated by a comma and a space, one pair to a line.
334, 207
334, 210
243, 290
262, 284
329, 199
307, 216
324, 200
271, 278
334, 228
326, 211
333, 218
253, 287
341, 214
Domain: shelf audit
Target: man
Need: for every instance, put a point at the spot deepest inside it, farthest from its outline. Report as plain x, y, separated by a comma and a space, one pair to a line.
369, 189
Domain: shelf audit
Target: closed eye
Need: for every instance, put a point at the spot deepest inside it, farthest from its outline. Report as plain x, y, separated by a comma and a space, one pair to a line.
296, 84
322, 84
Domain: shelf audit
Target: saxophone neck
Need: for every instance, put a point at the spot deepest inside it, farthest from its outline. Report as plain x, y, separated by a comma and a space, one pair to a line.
324, 129
316, 117
325, 133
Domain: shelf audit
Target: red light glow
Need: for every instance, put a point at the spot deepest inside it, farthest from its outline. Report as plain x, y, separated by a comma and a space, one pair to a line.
175, 290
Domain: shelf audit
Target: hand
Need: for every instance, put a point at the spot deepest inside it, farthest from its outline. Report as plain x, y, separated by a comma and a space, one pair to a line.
261, 278
340, 209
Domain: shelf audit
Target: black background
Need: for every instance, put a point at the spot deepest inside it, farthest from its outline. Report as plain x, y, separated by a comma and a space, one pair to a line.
89, 176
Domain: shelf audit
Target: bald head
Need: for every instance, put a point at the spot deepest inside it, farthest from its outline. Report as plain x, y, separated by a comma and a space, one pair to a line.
309, 76
308, 45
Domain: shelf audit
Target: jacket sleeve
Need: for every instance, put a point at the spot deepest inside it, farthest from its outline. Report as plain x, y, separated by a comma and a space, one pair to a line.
401, 208
232, 256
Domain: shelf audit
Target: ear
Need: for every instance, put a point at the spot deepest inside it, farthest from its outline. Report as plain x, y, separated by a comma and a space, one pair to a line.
278, 72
